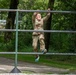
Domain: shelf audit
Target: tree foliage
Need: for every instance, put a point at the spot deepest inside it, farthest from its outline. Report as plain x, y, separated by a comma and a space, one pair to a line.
60, 42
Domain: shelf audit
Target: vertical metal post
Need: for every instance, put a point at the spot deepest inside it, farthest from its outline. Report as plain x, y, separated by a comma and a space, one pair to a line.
16, 42
15, 70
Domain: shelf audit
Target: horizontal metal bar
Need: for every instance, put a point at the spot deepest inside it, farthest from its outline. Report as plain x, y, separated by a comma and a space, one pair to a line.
8, 30
7, 52
39, 53
48, 31
52, 11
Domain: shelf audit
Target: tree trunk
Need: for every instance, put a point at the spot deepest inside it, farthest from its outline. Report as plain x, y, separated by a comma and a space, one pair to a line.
48, 25
10, 20
72, 48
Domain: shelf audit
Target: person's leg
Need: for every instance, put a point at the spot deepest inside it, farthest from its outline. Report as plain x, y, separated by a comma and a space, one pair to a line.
42, 44
34, 44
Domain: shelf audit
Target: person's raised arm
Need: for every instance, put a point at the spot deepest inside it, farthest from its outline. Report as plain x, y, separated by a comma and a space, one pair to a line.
47, 16
33, 17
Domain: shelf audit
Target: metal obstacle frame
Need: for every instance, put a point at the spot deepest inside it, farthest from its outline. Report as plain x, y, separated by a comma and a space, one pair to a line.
16, 70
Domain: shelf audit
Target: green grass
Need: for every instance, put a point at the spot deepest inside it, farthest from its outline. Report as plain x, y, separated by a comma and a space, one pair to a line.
27, 72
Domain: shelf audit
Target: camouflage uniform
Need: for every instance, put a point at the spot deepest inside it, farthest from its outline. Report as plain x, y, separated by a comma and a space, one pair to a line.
38, 25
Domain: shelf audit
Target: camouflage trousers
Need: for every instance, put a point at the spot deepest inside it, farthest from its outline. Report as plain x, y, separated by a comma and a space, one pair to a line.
39, 37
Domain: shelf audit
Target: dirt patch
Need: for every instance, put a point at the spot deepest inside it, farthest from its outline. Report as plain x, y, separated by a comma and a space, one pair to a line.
7, 65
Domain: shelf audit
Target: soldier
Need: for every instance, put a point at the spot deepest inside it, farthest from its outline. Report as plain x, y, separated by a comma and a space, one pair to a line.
38, 23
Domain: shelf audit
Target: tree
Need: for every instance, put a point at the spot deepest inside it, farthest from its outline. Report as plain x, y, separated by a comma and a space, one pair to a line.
4, 4
48, 25
10, 20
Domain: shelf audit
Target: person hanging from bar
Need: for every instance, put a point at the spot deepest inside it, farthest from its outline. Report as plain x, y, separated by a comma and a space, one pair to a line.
38, 23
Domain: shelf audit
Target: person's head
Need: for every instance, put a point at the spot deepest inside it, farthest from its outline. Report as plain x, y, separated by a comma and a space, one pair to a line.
38, 16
